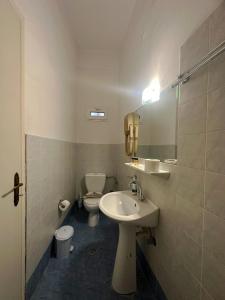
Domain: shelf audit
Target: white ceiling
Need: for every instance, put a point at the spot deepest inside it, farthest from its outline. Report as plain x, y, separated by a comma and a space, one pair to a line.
98, 24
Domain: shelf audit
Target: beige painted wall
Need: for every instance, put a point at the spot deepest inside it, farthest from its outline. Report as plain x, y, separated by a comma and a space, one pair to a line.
189, 259
50, 71
97, 86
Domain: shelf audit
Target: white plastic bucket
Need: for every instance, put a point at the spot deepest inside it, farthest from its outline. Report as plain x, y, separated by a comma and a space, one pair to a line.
63, 237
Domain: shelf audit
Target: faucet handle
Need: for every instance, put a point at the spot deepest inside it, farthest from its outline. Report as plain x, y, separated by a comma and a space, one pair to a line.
142, 197
133, 178
140, 193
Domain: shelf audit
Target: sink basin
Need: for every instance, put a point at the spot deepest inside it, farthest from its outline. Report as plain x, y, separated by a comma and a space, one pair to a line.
124, 208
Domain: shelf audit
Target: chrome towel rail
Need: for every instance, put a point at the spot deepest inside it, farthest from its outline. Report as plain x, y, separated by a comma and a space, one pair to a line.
185, 76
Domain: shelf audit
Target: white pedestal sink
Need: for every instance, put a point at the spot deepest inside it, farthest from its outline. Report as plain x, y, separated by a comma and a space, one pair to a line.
124, 208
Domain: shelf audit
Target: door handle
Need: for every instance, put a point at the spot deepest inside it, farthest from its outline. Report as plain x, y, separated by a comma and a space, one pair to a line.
12, 190
15, 189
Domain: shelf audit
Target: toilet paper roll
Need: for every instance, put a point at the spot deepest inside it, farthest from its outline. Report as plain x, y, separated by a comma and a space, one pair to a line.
64, 205
152, 165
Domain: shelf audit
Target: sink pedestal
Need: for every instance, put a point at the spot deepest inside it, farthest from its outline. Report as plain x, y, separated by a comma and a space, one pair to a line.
124, 274
124, 208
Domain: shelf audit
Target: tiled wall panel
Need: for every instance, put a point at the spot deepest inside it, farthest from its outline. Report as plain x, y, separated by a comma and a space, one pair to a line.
96, 158
189, 259
51, 176
55, 171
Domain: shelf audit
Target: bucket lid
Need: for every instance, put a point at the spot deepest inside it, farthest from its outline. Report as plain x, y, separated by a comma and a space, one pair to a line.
64, 233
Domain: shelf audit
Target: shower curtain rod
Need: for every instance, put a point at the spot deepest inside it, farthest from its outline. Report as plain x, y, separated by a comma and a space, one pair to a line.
185, 76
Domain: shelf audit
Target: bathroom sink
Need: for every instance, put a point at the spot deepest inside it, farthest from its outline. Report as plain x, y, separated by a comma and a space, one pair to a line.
124, 207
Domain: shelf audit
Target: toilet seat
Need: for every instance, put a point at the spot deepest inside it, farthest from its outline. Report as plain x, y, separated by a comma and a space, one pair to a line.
94, 195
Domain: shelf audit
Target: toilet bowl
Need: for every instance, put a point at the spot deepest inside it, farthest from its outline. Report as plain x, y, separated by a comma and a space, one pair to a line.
92, 206
95, 183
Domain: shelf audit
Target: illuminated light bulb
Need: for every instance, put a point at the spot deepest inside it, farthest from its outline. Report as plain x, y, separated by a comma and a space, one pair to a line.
152, 92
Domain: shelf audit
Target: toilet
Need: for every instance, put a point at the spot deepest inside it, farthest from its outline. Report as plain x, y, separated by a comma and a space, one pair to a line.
95, 183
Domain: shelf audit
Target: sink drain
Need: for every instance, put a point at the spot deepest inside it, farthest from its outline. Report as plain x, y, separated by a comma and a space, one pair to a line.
92, 251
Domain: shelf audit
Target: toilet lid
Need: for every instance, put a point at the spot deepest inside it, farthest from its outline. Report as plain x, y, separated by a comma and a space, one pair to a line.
92, 201
64, 233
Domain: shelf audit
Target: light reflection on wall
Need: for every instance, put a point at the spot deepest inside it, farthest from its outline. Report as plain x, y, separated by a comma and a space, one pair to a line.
152, 92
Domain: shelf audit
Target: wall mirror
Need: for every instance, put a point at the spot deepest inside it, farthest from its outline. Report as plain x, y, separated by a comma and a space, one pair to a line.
158, 127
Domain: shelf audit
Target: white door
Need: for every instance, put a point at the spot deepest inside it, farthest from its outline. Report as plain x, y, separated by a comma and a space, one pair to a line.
11, 265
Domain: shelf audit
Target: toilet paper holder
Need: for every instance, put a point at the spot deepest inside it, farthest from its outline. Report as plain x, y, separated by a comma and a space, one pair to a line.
63, 205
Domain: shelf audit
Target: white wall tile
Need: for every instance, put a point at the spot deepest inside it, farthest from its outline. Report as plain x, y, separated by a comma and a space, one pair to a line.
213, 276
216, 110
217, 26
192, 116
191, 150
190, 218
196, 47
49, 166
215, 152
194, 88
214, 193
213, 235
190, 185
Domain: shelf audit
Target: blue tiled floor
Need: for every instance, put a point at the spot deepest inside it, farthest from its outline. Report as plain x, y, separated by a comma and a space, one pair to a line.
86, 275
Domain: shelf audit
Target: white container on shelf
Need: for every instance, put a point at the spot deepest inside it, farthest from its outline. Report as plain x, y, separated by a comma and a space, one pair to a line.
63, 237
151, 165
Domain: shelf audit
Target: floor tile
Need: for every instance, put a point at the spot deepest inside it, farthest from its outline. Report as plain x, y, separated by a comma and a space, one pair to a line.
87, 273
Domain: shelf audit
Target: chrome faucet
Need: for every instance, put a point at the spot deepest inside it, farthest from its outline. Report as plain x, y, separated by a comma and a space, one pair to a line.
140, 194
136, 188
